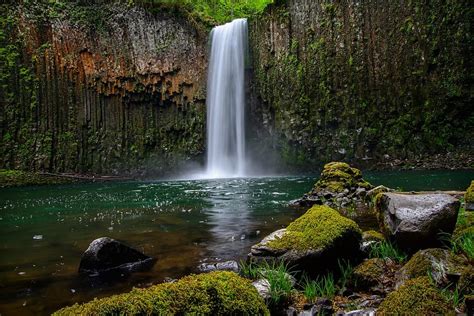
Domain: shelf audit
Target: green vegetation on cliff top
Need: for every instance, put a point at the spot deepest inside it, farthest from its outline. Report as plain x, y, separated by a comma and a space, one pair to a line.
214, 11
215, 293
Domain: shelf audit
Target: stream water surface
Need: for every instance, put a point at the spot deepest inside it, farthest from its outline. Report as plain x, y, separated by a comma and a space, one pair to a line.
44, 230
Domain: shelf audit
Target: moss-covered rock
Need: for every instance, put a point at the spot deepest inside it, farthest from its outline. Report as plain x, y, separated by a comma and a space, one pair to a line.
316, 239
469, 197
316, 229
215, 293
338, 176
442, 265
369, 273
340, 186
416, 297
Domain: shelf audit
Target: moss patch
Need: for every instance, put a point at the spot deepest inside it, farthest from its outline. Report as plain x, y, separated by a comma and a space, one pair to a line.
469, 196
436, 262
14, 178
416, 297
369, 272
372, 235
215, 293
318, 228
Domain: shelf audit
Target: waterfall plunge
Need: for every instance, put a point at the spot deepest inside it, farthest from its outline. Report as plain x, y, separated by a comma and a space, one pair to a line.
226, 101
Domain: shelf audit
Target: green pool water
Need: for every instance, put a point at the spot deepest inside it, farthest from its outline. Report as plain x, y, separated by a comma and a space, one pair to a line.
181, 223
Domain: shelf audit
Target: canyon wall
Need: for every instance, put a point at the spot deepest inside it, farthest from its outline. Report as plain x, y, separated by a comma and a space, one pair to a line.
104, 88
363, 80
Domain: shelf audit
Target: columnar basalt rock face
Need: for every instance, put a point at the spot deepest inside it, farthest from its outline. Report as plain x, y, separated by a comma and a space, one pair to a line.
363, 80
101, 88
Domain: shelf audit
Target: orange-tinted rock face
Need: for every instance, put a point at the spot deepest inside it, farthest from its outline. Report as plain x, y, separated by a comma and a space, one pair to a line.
105, 88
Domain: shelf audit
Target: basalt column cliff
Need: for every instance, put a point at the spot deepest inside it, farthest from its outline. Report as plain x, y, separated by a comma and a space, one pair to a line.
100, 88
364, 80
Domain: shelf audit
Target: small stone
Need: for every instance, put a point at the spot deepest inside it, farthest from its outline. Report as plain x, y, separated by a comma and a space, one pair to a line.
38, 237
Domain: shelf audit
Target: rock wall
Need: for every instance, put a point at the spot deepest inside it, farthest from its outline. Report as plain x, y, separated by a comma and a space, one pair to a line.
103, 88
363, 80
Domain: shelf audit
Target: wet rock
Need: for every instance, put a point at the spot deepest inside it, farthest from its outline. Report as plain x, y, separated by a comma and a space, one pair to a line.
263, 287
340, 186
361, 312
415, 221
442, 265
322, 306
312, 243
230, 265
109, 255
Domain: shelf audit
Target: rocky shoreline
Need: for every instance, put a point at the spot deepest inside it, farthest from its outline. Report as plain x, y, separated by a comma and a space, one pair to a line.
418, 259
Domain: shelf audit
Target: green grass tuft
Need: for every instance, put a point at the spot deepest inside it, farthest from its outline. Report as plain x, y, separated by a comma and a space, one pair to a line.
386, 250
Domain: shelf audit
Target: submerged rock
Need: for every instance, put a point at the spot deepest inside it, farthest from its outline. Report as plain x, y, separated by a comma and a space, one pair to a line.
415, 221
312, 243
340, 186
107, 255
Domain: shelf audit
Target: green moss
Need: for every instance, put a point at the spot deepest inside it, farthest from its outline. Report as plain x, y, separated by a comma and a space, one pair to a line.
369, 272
14, 178
416, 297
215, 293
466, 281
372, 235
318, 228
436, 262
469, 196
339, 176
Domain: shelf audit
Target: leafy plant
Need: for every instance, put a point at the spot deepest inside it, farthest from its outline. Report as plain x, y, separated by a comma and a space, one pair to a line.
386, 250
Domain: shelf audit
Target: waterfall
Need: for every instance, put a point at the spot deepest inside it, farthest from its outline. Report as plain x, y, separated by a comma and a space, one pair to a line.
226, 101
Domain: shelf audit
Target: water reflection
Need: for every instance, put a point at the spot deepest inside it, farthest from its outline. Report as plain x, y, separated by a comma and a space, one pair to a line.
229, 218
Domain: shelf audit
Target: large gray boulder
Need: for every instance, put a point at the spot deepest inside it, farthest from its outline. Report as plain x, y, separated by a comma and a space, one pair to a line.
417, 221
109, 255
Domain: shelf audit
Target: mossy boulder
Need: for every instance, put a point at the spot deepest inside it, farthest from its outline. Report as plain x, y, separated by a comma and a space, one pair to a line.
415, 221
340, 186
442, 265
416, 297
469, 197
369, 275
313, 242
215, 293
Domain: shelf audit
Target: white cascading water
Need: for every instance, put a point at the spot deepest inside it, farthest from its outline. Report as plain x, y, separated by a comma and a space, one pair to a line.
226, 101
